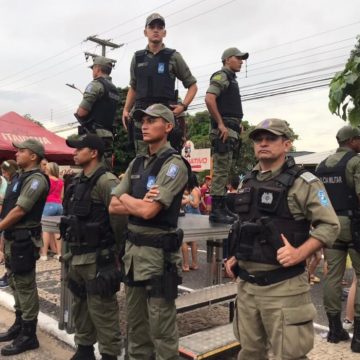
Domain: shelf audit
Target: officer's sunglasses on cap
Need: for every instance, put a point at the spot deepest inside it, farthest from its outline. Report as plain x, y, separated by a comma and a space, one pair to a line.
267, 137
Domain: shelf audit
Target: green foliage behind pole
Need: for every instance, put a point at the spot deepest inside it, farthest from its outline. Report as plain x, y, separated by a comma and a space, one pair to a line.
123, 151
344, 92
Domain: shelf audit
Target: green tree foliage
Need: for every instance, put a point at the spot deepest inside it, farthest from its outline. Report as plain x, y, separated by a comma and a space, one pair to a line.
344, 92
122, 150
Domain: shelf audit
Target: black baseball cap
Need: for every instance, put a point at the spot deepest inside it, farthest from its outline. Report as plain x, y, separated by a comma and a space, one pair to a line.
90, 141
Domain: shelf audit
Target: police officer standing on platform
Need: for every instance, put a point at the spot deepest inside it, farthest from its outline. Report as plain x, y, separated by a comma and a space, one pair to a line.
96, 112
21, 223
223, 101
340, 174
150, 193
90, 232
284, 217
153, 73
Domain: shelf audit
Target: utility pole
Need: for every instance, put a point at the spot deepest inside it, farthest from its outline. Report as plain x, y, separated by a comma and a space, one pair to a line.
104, 44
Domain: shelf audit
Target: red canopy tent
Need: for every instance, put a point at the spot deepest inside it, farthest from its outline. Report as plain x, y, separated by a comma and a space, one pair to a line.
16, 128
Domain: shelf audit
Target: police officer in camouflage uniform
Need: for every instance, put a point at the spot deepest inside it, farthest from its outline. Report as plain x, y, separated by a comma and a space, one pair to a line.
340, 174
150, 193
21, 223
97, 110
153, 72
285, 216
223, 101
90, 235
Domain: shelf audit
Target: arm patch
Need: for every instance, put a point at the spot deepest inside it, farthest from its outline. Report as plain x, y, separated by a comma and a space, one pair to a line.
309, 177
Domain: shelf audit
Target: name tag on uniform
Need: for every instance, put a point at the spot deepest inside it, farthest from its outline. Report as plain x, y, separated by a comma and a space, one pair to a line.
135, 176
161, 68
150, 182
142, 64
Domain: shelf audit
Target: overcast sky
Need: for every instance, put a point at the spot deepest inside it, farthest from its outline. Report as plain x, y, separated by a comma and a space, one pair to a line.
42, 44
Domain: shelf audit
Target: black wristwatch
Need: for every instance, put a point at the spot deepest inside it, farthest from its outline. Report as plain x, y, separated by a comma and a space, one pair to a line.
184, 106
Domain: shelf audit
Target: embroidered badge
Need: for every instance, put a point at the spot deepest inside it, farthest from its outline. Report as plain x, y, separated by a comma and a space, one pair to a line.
161, 68
89, 88
150, 182
324, 201
217, 77
15, 186
267, 198
173, 171
34, 184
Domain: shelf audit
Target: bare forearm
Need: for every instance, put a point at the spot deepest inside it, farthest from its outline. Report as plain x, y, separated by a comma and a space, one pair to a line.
12, 218
130, 99
116, 207
309, 247
190, 94
140, 207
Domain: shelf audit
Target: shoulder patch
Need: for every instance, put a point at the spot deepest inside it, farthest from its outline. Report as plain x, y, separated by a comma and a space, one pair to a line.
217, 77
34, 184
89, 87
323, 198
172, 171
308, 177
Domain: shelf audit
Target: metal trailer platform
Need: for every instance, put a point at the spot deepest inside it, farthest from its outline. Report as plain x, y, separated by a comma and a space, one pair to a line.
211, 295
208, 343
196, 228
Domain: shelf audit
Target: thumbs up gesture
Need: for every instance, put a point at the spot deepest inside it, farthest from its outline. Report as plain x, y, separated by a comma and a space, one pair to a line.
288, 255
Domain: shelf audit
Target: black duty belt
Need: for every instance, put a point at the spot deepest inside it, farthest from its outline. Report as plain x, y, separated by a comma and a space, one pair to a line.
233, 125
270, 277
12, 234
156, 241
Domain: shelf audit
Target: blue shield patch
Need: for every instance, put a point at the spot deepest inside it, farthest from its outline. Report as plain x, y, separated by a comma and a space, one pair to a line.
161, 68
15, 186
150, 182
172, 171
324, 200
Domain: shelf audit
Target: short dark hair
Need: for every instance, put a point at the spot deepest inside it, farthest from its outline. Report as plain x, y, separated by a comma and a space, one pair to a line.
105, 69
234, 182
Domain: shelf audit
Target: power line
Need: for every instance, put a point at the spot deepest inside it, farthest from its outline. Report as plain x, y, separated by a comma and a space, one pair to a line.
79, 43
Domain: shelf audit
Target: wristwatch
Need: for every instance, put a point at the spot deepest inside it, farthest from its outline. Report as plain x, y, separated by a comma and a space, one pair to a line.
184, 106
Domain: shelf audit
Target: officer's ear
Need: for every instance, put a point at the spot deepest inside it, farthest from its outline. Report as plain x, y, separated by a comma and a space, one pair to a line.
164, 33
168, 127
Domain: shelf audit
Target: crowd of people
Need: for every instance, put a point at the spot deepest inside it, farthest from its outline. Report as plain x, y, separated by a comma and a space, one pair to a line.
281, 215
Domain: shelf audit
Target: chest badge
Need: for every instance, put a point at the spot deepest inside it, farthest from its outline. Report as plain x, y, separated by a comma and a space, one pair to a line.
267, 198
150, 182
161, 68
15, 187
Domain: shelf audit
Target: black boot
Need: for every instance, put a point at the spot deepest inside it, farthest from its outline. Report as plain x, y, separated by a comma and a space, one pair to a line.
336, 331
84, 352
26, 340
355, 343
14, 329
108, 357
218, 211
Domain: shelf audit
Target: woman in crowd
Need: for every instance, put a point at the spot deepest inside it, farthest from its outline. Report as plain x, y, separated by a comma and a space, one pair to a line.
191, 202
53, 207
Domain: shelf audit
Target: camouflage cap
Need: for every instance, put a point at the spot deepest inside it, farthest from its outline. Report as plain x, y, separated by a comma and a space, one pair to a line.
346, 133
156, 110
31, 144
101, 60
233, 51
275, 126
153, 17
